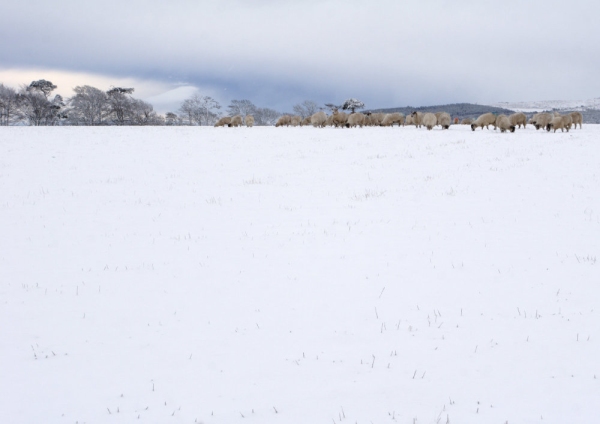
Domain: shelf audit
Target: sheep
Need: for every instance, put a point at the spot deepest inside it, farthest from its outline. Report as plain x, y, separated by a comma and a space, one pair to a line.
378, 118
339, 118
558, 122
236, 121
329, 121
568, 120
577, 119
417, 119
540, 120
306, 121
226, 120
393, 118
429, 121
484, 120
295, 120
409, 120
503, 122
355, 119
283, 120
444, 120
318, 119
466, 121
249, 121
519, 119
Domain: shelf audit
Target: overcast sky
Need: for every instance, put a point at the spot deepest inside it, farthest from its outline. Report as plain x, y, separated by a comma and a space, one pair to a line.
277, 53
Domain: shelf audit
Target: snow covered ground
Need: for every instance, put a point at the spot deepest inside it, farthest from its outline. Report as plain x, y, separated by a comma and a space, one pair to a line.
299, 275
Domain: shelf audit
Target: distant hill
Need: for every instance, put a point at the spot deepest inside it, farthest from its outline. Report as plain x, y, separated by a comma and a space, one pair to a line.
590, 109
456, 110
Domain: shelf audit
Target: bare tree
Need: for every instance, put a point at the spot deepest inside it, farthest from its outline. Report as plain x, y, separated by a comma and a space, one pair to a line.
142, 113
9, 103
89, 106
266, 116
200, 110
241, 107
171, 119
120, 104
306, 108
34, 106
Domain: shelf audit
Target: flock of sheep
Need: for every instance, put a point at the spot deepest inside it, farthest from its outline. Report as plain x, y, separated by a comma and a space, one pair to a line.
548, 121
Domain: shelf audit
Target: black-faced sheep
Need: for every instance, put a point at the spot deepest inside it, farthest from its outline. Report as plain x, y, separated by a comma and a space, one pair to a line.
417, 119
283, 120
444, 120
503, 122
519, 119
236, 121
249, 120
225, 121
540, 120
558, 122
577, 119
484, 120
429, 120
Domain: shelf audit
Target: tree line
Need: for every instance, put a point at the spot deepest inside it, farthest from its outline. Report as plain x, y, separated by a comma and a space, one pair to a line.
35, 105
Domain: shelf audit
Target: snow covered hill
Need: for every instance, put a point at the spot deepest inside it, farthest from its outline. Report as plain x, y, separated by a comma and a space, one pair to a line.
540, 106
299, 275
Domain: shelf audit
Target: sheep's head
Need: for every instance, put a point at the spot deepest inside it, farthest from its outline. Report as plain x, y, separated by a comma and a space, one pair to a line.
473, 126
549, 126
512, 128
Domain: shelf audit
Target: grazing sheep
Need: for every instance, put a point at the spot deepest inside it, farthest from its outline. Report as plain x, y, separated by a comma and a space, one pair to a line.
504, 123
378, 118
466, 121
249, 121
356, 119
284, 120
225, 121
558, 122
484, 120
319, 119
409, 120
339, 118
295, 120
519, 119
429, 121
417, 119
568, 120
393, 118
236, 121
540, 120
305, 121
577, 119
444, 120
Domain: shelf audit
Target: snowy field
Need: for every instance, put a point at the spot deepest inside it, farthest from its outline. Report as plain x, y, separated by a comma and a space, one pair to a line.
299, 275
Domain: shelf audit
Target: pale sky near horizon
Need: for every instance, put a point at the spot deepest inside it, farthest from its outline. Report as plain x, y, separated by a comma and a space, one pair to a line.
278, 53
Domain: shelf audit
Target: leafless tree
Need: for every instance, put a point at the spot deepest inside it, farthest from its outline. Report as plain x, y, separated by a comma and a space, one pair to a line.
8, 105
241, 107
120, 104
306, 108
266, 116
34, 106
88, 106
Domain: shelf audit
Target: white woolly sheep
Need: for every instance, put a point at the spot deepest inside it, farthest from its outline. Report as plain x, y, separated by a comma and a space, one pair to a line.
356, 119
558, 122
519, 119
466, 121
503, 122
484, 120
541, 120
577, 119
339, 118
409, 120
319, 119
417, 119
444, 120
283, 120
225, 121
429, 120
236, 121
393, 118
249, 120
295, 120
